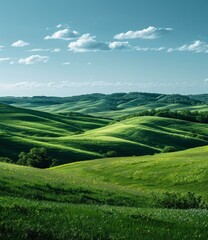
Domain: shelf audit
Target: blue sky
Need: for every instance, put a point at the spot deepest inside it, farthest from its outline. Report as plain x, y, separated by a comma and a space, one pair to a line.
67, 47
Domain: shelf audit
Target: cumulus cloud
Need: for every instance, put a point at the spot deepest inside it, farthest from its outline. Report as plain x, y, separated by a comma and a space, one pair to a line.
119, 45
88, 43
20, 43
64, 34
147, 33
33, 59
195, 46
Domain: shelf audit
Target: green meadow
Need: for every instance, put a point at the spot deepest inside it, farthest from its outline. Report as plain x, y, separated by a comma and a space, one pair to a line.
106, 199
135, 177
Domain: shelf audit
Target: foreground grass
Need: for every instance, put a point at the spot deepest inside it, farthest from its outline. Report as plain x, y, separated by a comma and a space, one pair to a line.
45, 220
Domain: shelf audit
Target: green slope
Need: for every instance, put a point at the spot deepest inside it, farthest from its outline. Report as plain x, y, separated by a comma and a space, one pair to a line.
179, 171
21, 129
70, 138
102, 180
74, 201
140, 136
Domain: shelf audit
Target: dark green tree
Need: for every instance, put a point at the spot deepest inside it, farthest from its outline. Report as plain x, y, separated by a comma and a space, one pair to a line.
36, 157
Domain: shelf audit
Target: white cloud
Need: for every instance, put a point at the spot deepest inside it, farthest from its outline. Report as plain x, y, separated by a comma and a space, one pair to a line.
148, 33
145, 49
119, 45
39, 50
170, 50
96, 85
33, 59
20, 43
64, 34
196, 46
59, 26
62, 84
4, 59
55, 50
88, 43
24, 84
66, 63
206, 80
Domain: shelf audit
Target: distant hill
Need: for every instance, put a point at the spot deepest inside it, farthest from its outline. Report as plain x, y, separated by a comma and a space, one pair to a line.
111, 105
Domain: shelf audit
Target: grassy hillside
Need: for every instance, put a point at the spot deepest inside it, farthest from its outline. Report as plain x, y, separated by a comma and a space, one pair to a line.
140, 136
21, 129
179, 171
80, 137
100, 199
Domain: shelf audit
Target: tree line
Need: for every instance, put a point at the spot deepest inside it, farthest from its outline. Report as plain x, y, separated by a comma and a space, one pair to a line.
187, 115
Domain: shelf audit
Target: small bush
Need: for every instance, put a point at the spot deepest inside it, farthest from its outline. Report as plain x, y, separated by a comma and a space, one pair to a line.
111, 154
6, 160
179, 201
169, 149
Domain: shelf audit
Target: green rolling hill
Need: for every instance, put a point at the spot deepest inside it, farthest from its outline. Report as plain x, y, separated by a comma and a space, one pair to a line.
21, 129
104, 199
107, 198
179, 171
131, 176
80, 137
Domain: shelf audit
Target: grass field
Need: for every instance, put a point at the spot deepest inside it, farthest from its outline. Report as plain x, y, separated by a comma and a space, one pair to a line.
109, 199
75, 138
